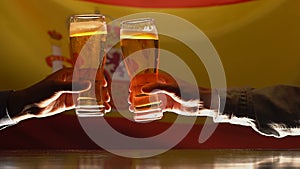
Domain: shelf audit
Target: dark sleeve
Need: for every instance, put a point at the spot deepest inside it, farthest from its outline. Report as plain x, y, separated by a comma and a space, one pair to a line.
273, 110
5, 119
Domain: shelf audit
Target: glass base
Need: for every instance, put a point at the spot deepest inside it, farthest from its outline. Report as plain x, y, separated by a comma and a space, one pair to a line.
90, 111
148, 115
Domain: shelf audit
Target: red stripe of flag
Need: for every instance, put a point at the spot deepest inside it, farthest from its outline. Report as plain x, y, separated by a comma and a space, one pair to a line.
168, 3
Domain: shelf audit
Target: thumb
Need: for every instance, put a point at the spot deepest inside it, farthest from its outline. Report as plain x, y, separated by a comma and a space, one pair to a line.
73, 86
150, 87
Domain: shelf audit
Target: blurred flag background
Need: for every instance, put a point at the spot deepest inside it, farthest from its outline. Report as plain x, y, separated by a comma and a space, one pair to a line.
258, 44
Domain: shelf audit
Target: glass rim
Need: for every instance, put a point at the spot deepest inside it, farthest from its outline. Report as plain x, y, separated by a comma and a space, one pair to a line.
91, 15
137, 20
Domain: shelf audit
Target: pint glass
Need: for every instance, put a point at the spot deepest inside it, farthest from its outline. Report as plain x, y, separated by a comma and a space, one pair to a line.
140, 49
87, 44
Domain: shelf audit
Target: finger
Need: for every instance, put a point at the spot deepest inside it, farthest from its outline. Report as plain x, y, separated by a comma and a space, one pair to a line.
107, 107
152, 101
64, 102
100, 83
102, 93
59, 105
106, 96
69, 100
144, 102
131, 108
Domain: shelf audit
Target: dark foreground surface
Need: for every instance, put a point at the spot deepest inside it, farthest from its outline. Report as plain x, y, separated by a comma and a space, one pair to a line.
179, 159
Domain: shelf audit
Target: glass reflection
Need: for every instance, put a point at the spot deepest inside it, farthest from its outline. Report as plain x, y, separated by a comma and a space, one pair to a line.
179, 159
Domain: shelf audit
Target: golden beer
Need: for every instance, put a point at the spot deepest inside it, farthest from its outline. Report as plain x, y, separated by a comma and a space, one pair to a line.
143, 50
87, 48
140, 49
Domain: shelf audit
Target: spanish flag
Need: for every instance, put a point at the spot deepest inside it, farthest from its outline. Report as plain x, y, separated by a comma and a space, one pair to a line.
257, 42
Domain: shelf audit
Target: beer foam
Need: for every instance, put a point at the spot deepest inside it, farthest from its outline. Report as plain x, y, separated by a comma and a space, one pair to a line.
87, 28
138, 35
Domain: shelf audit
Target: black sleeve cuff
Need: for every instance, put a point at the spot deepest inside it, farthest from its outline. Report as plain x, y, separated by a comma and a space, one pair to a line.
238, 103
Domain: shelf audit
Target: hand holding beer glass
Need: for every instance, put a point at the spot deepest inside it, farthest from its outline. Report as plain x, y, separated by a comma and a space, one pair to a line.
140, 48
87, 39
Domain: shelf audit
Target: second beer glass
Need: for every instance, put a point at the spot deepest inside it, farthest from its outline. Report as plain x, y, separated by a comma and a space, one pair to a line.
140, 48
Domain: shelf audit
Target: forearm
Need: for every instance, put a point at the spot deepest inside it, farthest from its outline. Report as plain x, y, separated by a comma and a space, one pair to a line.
271, 111
17, 104
12, 106
5, 117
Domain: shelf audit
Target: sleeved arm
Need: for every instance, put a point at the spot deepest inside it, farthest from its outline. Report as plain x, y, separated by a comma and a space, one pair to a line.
273, 110
5, 119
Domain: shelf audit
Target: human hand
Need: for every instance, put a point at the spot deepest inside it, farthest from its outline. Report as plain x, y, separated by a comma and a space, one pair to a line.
174, 95
54, 94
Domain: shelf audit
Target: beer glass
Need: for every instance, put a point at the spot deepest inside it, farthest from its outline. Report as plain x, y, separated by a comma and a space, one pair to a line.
87, 44
140, 49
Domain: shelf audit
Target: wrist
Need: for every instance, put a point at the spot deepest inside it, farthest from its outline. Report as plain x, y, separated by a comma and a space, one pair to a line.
206, 97
16, 103
14, 107
211, 102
